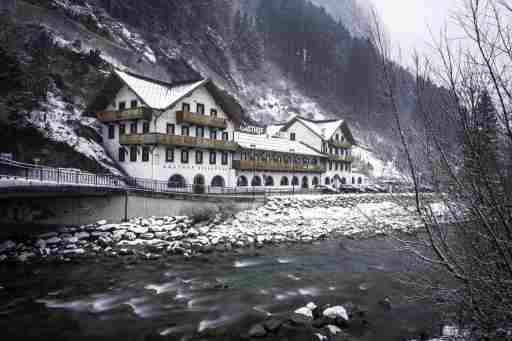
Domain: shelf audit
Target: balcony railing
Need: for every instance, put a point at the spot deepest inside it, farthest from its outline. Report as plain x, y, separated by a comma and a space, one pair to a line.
202, 120
341, 144
141, 113
249, 165
347, 159
176, 140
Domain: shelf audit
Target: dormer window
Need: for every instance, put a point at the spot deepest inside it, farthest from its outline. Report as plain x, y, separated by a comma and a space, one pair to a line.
337, 137
200, 108
134, 104
122, 105
185, 107
292, 136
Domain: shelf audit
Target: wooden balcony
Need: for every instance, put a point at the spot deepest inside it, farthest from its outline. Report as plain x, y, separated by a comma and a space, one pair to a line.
272, 166
340, 144
177, 140
140, 113
201, 120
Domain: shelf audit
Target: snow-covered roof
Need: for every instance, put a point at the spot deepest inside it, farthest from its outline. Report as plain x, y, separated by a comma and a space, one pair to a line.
325, 129
158, 95
272, 130
274, 144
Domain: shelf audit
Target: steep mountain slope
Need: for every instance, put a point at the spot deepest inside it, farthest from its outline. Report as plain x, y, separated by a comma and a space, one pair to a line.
274, 57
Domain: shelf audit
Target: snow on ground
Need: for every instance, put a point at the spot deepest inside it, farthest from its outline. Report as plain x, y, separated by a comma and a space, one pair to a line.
55, 121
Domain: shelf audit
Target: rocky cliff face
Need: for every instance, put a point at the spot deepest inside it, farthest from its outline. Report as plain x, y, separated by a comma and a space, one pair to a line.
273, 57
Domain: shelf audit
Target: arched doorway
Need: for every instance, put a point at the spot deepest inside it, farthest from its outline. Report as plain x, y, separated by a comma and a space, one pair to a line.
176, 181
242, 181
269, 181
359, 181
343, 181
327, 181
295, 181
305, 182
218, 181
315, 181
336, 181
284, 181
199, 184
353, 181
256, 181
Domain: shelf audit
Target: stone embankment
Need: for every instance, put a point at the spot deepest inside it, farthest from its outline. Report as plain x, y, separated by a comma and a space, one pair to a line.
298, 219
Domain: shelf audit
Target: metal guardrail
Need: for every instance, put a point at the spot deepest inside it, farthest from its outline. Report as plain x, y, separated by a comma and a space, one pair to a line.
46, 176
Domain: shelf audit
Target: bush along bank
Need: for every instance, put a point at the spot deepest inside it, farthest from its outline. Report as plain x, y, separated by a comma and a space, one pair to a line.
298, 219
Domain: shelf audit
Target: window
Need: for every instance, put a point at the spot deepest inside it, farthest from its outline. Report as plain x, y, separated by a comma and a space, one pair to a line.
133, 128
133, 154
145, 127
213, 158
330, 165
185, 131
213, 134
225, 136
292, 136
200, 108
337, 137
111, 132
185, 107
213, 112
169, 155
199, 157
336, 165
122, 129
122, 156
170, 129
134, 104
199, 131
122, 105
145, 154
184, 156
224, 158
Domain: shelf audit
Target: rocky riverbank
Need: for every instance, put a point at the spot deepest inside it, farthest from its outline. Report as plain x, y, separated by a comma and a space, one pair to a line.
297, 219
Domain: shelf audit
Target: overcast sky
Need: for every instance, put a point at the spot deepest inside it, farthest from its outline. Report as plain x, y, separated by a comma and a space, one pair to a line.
408, 21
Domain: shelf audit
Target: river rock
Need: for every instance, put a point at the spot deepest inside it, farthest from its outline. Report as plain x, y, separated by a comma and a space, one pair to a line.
104, 240
386, 303
257, 331
40, 244
139, 229
304, 311
333, 330
336, 311
320, 337
25, 256
147, 236
273, 324
101, 222
82, 235
54, 240
301, 319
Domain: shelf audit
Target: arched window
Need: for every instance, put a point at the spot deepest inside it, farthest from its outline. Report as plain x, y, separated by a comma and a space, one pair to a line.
353, 181
336, 180
284, 181
343, 181
176, 181
242, 181
315, 181
295, 181
327, 181
256, 181
218, 181
199, 184
305, 182
269, 181
359, 180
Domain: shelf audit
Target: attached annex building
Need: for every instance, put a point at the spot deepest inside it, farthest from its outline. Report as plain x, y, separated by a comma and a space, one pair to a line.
186, 134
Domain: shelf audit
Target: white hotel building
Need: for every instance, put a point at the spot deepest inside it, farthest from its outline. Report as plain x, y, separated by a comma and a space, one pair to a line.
186, 134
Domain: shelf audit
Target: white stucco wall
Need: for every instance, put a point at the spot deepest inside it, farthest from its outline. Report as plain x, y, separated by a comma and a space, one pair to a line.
305, 135
277, 178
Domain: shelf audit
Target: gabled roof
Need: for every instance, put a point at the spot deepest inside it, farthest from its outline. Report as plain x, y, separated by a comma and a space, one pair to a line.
274, 144
155, 94
160, 95
325, 129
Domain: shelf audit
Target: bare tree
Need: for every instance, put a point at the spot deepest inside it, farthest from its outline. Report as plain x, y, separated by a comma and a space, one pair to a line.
464, 99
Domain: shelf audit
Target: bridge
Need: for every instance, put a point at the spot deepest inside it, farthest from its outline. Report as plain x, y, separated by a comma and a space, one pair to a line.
35, 194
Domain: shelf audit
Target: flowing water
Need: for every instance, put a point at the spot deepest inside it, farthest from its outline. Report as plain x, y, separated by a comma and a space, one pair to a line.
215, 297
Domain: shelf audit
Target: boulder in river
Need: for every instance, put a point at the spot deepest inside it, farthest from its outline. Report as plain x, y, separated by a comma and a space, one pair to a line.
301, 319
273, 324
257, 331
336, 311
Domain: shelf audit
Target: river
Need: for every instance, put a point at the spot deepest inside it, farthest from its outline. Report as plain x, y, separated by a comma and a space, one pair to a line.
221, 295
